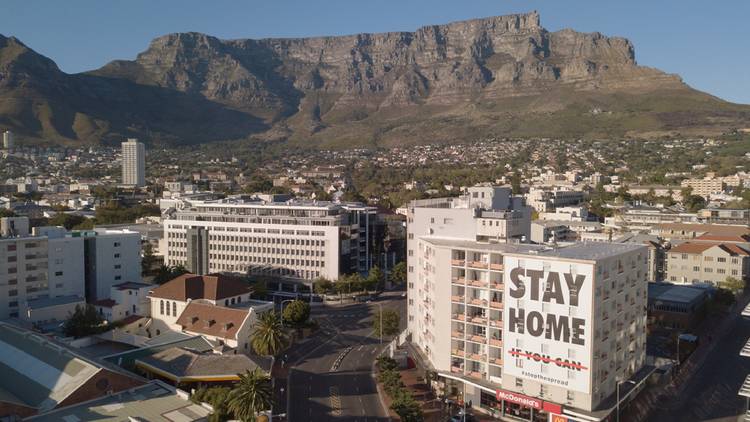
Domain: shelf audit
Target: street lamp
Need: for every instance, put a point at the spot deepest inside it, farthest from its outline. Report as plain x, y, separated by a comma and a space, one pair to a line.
618, 395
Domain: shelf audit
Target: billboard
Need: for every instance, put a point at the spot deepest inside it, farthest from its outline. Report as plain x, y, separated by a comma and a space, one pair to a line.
547, 321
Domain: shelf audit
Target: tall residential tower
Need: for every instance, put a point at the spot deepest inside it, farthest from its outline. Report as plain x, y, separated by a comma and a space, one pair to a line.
133, 163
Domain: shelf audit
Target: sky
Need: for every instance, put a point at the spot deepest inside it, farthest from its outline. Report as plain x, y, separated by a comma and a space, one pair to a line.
704, 41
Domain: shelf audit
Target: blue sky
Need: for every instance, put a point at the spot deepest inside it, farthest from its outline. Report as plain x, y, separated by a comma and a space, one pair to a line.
703, 41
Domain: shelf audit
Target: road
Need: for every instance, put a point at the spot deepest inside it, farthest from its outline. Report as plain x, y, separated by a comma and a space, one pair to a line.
319, 389
711, 394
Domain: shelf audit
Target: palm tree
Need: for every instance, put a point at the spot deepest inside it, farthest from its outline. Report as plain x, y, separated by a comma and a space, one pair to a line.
251, 395
268, 338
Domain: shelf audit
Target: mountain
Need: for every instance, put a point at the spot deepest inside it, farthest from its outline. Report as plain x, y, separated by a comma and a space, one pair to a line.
499, 76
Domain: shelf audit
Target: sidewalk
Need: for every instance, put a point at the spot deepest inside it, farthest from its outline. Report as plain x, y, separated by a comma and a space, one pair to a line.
670, 396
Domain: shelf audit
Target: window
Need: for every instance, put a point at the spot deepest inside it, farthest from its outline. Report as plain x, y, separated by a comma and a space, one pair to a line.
117, 255
118, 266
174, 308
161, 307
117, 244
12, 293
118, 277
58, 273
519, 383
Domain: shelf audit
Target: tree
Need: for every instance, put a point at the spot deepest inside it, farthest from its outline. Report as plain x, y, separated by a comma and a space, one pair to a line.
406, 407
734, 285
148, 260
6, 213
694, 202
218, 398
515, 183
251, 395
297, 313
268, 337
66, 220
398, 273
375, 279
391, 321
260, 289
166, 273
84, 321
321, 285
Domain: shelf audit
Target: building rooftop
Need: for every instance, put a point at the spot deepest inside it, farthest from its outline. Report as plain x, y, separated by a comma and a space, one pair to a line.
185, 365
191, 286
666, 292
129, 285
153, 402
34, 372
54, 301
127, 359
700, 247
212, 320
490, 247
590, 251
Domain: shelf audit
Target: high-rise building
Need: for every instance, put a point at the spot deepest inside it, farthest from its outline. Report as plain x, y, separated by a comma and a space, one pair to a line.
535, 331
8, 140
133, 163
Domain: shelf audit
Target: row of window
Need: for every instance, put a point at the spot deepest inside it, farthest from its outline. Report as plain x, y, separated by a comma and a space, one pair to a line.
162, 304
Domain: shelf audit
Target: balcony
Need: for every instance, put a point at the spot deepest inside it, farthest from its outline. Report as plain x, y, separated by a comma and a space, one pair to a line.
478, 283
458, 352
478, 339
457, 335
477, 375
479, 320
458, 262
457, 370
476, 357
496, 323
457, 299
496, 305
497, 267
496, 342
496, 361
478, 264
479, 302
496, 286
459, 280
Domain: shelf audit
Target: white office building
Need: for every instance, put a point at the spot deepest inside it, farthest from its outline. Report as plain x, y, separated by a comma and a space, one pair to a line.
297, 240
133, 163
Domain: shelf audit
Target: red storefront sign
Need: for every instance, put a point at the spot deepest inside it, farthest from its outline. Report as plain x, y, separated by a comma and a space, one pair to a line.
527, 401
516, 398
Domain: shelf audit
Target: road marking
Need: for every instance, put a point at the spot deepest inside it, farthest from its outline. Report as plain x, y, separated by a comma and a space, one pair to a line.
335, 401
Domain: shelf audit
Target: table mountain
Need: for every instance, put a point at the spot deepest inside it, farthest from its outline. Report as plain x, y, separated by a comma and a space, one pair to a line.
498, 76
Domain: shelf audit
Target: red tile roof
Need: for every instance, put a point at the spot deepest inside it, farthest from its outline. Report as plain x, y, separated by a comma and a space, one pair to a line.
697, 248
738, 237
212, 320
191, 286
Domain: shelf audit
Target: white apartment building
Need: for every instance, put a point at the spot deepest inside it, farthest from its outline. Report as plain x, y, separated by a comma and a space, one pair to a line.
534, 331
125, 299
39, 265
298, 240
133, 163
111, 257
547, 200
704, 187
477, 288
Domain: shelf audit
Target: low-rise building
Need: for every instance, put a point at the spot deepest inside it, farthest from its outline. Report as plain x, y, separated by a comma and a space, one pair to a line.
707, 262
125, 299
675, 306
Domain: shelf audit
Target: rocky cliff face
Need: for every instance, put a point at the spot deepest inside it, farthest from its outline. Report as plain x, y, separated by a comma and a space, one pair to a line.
472, 78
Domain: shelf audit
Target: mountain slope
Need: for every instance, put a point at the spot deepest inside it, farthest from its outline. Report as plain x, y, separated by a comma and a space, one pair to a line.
499, 76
